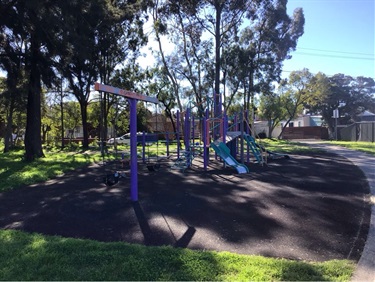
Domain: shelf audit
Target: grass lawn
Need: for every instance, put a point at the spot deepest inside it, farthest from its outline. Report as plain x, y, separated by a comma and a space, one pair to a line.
38, 257
27, 256
285, 146
366, 147
14, 172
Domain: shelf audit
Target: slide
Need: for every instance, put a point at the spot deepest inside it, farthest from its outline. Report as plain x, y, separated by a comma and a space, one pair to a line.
223, 151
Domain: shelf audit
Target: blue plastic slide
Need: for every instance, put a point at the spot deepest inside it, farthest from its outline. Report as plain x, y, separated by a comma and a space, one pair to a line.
223, 151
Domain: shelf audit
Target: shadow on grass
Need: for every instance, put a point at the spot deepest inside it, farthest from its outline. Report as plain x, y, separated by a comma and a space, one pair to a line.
56, 258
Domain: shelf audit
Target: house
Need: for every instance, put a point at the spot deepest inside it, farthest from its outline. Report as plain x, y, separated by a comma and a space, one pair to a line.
303, 127
366, 116
363, 130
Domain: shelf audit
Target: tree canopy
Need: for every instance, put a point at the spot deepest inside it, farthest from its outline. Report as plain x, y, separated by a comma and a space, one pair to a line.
222, 50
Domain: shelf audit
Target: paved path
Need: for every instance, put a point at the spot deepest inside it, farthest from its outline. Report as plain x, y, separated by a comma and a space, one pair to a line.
366, 266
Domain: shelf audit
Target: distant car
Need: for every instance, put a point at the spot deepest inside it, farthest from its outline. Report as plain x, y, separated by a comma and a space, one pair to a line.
123, 140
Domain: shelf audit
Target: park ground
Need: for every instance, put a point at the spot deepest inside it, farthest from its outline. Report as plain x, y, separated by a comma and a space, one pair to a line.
311, 207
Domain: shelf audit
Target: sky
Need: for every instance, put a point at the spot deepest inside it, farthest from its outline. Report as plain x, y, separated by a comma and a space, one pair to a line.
339, 37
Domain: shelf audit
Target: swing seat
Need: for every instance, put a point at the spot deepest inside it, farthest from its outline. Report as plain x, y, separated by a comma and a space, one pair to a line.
154, 167
111, 179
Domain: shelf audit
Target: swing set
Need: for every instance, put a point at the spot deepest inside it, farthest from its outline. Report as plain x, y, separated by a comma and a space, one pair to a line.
133, 98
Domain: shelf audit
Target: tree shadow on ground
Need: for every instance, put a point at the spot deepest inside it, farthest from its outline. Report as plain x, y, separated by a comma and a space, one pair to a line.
308, 208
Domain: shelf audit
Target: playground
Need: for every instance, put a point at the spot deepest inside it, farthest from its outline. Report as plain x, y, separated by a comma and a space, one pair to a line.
308, 207
222, 192
209, 195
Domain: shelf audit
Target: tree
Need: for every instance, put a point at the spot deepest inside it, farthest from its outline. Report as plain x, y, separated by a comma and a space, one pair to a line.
350, 95
295, 94
192, 56
272, 110
160, 86
160, 14
26, 22
97, 36
256, 61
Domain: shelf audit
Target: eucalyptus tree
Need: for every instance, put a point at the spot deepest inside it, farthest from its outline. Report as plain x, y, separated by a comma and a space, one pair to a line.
296, 91
272, 110
203, 26
160, 13
192, 55
161, 87
221, 19
256, 60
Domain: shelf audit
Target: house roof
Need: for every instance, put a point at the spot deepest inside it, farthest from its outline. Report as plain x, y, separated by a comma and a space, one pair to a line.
366, 114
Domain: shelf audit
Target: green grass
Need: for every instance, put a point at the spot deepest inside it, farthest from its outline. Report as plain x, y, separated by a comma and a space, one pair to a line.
367, 147
285, 146
27, 256
38, 257
14, 172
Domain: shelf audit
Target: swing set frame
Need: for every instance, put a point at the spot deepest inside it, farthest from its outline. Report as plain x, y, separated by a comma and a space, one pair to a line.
133, 98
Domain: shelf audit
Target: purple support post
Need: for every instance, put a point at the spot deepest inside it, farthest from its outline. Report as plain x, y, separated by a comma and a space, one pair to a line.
178, 133
246, 119
225, 127
192, 129
187, 130
143, 147
236, 129
133, 151
167, 143
205, 141
220, 104
247, 132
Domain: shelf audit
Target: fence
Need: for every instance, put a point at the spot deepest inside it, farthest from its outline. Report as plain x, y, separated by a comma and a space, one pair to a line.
359, 131
306, 132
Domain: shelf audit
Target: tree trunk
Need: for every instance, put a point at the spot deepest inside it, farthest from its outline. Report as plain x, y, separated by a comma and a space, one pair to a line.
33, 141
62, 115
217, 60
85, 142
8, 141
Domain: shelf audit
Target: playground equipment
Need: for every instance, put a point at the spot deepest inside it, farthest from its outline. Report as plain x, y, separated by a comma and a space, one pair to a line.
235, 145
215, 135
223, 151
133, 98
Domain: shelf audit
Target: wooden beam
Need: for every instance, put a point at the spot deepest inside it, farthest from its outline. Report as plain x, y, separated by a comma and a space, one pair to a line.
124, 93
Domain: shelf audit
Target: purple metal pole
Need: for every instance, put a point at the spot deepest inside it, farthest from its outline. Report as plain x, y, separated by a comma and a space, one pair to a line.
192, 129
187, 129
236, 129
225, 127
143, 147
178, 133
167, 143
205, 141
247, 132
133, 151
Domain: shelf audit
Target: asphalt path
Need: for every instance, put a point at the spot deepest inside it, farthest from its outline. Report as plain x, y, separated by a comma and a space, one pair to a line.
365, 270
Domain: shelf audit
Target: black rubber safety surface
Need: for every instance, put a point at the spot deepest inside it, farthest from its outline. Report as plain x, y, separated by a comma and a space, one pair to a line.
308, 207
